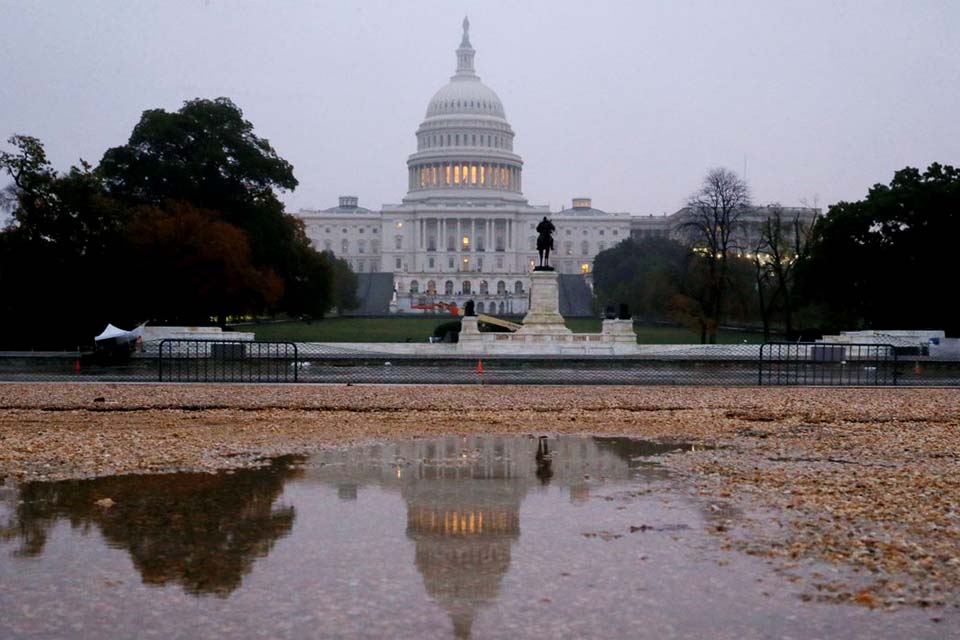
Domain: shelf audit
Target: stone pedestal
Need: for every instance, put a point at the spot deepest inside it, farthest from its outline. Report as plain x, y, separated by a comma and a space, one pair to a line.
619, 332
544, 314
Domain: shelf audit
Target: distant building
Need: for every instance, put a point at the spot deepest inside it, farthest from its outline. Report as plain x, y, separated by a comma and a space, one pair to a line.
464, 230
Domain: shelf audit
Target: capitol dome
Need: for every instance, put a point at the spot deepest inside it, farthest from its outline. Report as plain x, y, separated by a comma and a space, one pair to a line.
465, 144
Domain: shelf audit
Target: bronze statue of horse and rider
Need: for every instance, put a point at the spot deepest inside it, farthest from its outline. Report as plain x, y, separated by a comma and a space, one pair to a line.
545, 243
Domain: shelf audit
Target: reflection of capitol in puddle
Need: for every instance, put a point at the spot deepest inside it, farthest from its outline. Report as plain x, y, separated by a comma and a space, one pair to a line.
463, 497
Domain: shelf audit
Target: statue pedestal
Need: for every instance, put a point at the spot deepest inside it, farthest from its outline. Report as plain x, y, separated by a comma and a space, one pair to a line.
544, 316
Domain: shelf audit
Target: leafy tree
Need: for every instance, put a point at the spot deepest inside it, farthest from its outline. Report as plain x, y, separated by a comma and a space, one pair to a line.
713, 215
659, 278
63, 239
190, 266
208, 155
887, 261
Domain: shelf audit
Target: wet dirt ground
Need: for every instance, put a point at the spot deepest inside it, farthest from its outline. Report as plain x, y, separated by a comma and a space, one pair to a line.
457, 536
852, 494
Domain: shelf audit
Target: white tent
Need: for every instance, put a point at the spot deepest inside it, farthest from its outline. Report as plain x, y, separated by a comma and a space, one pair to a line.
120, 335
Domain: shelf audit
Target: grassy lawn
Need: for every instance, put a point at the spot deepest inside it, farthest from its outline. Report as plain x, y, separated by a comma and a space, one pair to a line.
418, 329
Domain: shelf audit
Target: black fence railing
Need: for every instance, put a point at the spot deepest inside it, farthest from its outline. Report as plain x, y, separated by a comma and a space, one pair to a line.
190, 360
813, 363
183, 360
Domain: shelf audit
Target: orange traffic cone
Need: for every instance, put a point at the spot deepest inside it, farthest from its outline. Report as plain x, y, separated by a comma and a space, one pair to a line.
479, 367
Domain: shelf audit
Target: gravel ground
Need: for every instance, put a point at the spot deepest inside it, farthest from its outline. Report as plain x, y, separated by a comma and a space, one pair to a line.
866, 479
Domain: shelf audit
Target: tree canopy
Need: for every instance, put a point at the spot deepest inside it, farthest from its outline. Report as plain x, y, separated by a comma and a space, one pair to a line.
886, 261
181, 224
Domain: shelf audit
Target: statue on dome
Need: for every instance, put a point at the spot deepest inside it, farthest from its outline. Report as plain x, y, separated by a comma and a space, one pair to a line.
545, 243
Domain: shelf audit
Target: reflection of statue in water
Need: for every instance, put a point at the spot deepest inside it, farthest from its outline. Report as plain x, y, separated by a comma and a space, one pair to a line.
544, 460
203, 531
545, 243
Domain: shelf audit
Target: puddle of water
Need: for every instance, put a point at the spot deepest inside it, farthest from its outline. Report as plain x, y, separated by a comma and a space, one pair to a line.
449, 537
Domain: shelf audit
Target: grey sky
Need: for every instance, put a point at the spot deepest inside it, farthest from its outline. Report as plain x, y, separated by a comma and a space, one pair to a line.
629, 103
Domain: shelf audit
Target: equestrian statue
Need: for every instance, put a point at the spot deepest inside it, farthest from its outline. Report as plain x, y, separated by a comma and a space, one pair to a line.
545, 243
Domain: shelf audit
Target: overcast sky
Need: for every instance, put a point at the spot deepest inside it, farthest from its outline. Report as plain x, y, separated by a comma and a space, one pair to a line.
629, 103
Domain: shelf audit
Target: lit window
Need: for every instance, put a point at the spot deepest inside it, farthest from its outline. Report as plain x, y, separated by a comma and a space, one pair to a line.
585, 267
466, 242
399, 224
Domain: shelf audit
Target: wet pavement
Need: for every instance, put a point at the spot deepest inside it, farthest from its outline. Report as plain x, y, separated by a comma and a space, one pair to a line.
478, 536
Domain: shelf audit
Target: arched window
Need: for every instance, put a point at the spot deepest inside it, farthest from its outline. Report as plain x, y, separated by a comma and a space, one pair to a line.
568, 248
518, 287
483, 287
501, 287
448, 287
361, 246
480, 307
585, 248
414, 286
345, 246
466, 287
501, 308
432, 287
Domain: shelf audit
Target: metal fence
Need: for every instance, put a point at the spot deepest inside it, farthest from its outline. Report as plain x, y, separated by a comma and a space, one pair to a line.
810, 363
184, 360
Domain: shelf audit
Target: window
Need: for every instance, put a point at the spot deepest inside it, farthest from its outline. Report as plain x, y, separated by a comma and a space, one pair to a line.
451, 243
501, 308
431, 287
466, 287
615, 232
584, 232
569, 231
450, 264
501, 287
568, 248
432, 262
480, 307
602, 246
448, 287
414, 286
499, 262
345, 246
398, 242
374, 246
601, 231
585, 268
533, 242
363, 229
585, 248
344, 229
518, 287
396, 262
328, 246
483, 287
327, 230
361, 246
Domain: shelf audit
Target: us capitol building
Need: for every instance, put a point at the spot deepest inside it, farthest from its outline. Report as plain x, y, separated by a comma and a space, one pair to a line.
464, 230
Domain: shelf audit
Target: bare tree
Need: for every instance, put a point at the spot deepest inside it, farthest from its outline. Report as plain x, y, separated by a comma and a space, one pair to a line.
712, 218
782, 247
